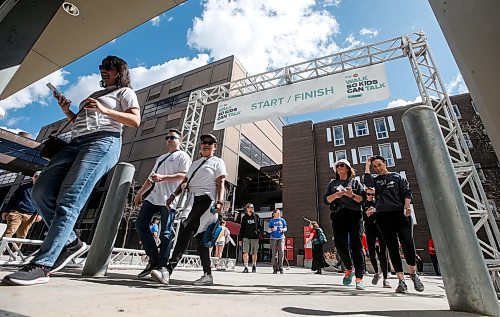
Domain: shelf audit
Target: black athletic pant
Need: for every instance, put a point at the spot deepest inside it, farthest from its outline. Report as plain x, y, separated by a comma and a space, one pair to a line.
346, 225
435, 264
395, 225
372, 233
186, 230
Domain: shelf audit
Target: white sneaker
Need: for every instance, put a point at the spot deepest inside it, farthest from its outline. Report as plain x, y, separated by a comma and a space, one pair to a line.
161, 275
204, 280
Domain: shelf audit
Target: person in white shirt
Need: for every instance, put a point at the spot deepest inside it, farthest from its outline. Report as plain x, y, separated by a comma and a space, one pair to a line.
205, 182
168, 172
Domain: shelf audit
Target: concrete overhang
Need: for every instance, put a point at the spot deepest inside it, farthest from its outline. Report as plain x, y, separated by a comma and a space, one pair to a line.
38, 37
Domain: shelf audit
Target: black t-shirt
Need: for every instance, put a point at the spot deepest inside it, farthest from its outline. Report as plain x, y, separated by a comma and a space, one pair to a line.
367, 204
250, 226
390, 190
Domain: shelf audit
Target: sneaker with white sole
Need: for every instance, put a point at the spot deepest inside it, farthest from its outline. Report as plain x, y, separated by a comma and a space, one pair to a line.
386, 284
417, 283
144, 274
68, 253
161, 275
30, 274
376, 278
204, 280
402, 288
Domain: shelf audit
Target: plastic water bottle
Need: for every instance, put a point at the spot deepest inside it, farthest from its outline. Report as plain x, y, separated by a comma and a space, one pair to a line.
92, 119
213, 210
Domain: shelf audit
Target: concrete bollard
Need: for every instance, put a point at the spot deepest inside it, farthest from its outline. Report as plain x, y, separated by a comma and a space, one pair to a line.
109, 221
467, 283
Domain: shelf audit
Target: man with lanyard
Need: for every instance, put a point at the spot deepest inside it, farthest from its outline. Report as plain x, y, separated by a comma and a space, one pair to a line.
168, 172
249, 237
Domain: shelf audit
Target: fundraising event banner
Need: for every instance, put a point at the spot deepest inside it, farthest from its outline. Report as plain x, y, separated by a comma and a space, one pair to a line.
353, 87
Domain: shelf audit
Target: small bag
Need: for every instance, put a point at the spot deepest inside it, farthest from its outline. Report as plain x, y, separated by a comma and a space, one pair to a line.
321, 236
51, 146
210, 236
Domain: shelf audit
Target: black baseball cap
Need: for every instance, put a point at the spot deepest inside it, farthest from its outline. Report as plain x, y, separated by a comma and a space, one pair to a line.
208, 136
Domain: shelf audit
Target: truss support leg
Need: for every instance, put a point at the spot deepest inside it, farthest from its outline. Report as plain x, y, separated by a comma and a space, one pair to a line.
109, 221
466, 278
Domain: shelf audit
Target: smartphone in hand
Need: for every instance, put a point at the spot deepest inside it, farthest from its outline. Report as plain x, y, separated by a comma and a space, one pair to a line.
56, 92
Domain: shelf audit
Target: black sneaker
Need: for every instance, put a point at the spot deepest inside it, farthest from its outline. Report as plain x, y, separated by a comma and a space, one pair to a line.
275, 270
245, 270
281, 270
254, 269
145, 273
68, 253
417, 283
30, 274
402, 288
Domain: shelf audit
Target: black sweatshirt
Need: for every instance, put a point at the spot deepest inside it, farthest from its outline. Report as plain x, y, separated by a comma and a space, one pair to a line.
250, 226
344, 202
390, 190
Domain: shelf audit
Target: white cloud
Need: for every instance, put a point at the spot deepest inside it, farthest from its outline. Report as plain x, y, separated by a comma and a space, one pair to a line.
330, 3
14, 120
456, 86
402, 102
368, 32
170, 19
36, 92
264, 34
156, 20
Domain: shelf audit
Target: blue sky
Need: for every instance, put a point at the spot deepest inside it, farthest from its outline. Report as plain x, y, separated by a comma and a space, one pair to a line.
262, 34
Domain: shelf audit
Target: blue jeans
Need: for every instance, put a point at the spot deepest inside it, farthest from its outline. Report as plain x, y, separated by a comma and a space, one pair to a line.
166, 233
65, 184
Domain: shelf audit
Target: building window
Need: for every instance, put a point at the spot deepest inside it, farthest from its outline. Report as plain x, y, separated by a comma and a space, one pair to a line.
381, 128
468, 141
480, 172
386, 151
254, 153
340, 155
338, 135
7, 178
361, 128
457, 111
365, 153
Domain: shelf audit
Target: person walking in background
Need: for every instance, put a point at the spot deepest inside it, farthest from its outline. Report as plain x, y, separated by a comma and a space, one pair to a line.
373, 235
205, 182
278, 227
433, 256
392, 208
318, 238
65, 184
344, 195
249, 236
223, 239
168, 172
20, 212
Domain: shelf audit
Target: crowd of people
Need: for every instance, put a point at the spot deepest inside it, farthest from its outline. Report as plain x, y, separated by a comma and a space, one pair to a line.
194, 191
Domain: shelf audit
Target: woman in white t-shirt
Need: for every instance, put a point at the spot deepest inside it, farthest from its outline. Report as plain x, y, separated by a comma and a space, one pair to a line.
205, 180
65, 184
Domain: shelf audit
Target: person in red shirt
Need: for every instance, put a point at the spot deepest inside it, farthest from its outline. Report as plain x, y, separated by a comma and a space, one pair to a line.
432, 255
318, 261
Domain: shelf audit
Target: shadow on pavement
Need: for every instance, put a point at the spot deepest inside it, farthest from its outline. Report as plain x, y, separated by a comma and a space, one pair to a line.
396, 313
4, 313
184, 286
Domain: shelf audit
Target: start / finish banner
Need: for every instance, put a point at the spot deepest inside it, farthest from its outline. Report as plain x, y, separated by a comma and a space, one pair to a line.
353, 87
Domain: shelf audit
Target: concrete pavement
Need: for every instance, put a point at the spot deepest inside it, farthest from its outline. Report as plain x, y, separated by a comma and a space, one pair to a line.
298, 292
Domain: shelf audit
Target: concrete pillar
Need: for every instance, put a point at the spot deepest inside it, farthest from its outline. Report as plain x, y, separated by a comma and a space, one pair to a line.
109, 221
467, 283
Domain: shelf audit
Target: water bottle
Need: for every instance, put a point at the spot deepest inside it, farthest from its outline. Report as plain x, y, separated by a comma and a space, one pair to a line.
92, 119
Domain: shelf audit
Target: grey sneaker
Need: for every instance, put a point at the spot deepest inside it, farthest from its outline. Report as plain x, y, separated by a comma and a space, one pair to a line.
402, 288
386, 284
30, 274
161, 275
69, 253
205, 280
376, 278
417, 283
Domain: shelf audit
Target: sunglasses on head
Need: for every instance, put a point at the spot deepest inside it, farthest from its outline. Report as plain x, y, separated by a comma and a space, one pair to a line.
171, 137
209, 142
341, 165
370, 194
107, 66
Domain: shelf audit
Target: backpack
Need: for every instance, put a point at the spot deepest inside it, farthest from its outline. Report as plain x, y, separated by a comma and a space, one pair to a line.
321, 236
210, 236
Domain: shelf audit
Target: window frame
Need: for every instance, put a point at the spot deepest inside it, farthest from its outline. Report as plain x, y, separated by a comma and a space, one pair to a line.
356, 130
389, 159
385, 126
361, 156
334, 135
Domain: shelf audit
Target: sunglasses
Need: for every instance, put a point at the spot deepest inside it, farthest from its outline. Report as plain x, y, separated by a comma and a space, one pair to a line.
171, 137
370, 194
341, 165
107, 67
208, 142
